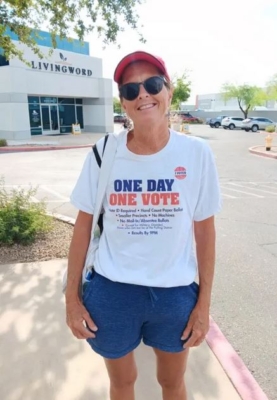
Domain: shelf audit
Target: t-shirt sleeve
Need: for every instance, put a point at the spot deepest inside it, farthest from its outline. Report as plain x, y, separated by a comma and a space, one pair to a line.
209, 199
83, 196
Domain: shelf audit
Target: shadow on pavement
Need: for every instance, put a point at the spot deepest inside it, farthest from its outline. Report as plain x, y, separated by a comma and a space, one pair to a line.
40, 359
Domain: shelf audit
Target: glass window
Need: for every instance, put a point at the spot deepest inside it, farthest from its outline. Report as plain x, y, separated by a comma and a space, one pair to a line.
48, 100
33, 99
67, 115
36, 131
3, 61
79, 114
79, 101
64, 100
34, 116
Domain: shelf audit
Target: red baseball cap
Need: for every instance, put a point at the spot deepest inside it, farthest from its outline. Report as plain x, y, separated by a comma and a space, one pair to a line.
139, 56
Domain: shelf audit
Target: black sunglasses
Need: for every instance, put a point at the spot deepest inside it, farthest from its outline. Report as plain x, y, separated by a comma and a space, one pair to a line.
153, 85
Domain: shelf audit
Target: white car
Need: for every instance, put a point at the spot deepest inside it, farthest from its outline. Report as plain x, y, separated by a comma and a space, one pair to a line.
257, 123
232, 122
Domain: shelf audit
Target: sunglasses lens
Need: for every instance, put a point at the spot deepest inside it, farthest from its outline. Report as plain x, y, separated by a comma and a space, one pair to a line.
154, 84
130, 91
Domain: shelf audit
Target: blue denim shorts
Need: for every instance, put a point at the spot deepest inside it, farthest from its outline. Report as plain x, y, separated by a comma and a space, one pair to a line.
125, 314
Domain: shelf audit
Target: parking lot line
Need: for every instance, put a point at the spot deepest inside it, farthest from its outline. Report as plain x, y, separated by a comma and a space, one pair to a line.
241, 191
228, 195
264, 186
47, 189
251, 188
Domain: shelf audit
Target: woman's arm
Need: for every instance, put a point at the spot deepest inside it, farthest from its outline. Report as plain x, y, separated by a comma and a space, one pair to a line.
77, 254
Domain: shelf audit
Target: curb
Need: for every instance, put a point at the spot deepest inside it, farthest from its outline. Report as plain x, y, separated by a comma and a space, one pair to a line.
240, 376
261, 153
63, 218
41, 148
242, 379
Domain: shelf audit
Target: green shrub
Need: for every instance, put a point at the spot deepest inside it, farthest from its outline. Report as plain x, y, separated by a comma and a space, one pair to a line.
270, 129
21, 219
3, 143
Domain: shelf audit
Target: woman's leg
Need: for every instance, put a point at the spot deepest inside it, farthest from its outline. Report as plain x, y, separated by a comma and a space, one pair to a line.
171, 368
123, 374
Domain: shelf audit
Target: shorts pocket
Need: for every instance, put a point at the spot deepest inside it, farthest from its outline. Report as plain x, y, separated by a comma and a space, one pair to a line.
88, 287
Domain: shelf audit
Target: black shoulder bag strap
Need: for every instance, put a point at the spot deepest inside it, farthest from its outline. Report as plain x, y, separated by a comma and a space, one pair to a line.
99, 162
94, 148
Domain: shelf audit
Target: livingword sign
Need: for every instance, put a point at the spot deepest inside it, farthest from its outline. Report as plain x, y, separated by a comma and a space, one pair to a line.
61, 66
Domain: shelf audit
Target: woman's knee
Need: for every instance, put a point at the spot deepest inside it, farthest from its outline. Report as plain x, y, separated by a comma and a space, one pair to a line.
124, 380
170, 383
122, 372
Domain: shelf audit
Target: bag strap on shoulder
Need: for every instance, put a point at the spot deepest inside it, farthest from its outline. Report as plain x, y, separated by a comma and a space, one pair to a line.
99, 162
96, 153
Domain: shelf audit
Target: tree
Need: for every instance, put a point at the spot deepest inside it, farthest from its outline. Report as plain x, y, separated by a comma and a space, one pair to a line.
116, 106
271, 88
181, 86
25, 17
247, 96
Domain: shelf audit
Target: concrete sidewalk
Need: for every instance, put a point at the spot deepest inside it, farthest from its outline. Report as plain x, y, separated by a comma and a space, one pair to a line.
261, 151
65, 140
40, 359
59, 140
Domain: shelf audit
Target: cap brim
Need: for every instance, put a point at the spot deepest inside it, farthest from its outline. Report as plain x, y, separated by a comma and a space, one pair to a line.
137, 56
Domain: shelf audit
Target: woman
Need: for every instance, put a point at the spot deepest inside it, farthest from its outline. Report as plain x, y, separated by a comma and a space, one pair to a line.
162, 192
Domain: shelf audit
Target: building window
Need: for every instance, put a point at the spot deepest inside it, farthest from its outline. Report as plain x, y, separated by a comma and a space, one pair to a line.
33, 99
48, 100
54, 114
35, 119
65, 100
3, 61
67, 115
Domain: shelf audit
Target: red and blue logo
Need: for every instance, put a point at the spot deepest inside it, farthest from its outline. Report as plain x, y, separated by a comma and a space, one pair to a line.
180, 172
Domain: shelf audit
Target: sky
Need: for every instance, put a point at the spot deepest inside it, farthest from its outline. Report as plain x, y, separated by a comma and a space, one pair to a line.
217, 41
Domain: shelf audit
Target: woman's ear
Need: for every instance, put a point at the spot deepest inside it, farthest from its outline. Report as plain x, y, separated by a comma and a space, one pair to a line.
122, 103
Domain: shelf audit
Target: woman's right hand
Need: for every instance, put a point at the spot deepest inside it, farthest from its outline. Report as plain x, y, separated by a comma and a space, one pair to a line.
76, 316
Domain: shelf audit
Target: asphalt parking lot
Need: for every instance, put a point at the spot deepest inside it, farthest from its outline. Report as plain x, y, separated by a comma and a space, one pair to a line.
245, 296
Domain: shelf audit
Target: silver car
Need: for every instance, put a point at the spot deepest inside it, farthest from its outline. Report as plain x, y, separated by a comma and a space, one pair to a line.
255, 124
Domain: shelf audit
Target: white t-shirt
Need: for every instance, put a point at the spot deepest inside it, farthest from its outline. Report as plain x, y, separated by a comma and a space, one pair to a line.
150, 205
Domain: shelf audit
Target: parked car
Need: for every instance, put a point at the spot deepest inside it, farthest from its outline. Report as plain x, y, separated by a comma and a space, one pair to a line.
232, 122
256, 123
188, 117
216, 122
119, 118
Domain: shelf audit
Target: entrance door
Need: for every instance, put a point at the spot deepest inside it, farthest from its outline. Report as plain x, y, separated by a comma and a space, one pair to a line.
50, 122
54, 119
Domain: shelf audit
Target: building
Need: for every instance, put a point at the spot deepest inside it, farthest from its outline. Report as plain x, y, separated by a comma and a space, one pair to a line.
215, 102
50, 94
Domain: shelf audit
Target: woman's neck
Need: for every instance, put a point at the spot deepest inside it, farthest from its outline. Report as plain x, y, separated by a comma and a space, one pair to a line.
148, 140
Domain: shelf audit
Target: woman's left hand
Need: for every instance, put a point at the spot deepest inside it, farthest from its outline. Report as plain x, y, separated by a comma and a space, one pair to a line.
197, 327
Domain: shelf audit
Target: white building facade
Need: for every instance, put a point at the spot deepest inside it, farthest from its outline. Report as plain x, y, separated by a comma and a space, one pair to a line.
50, 94
215, 102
